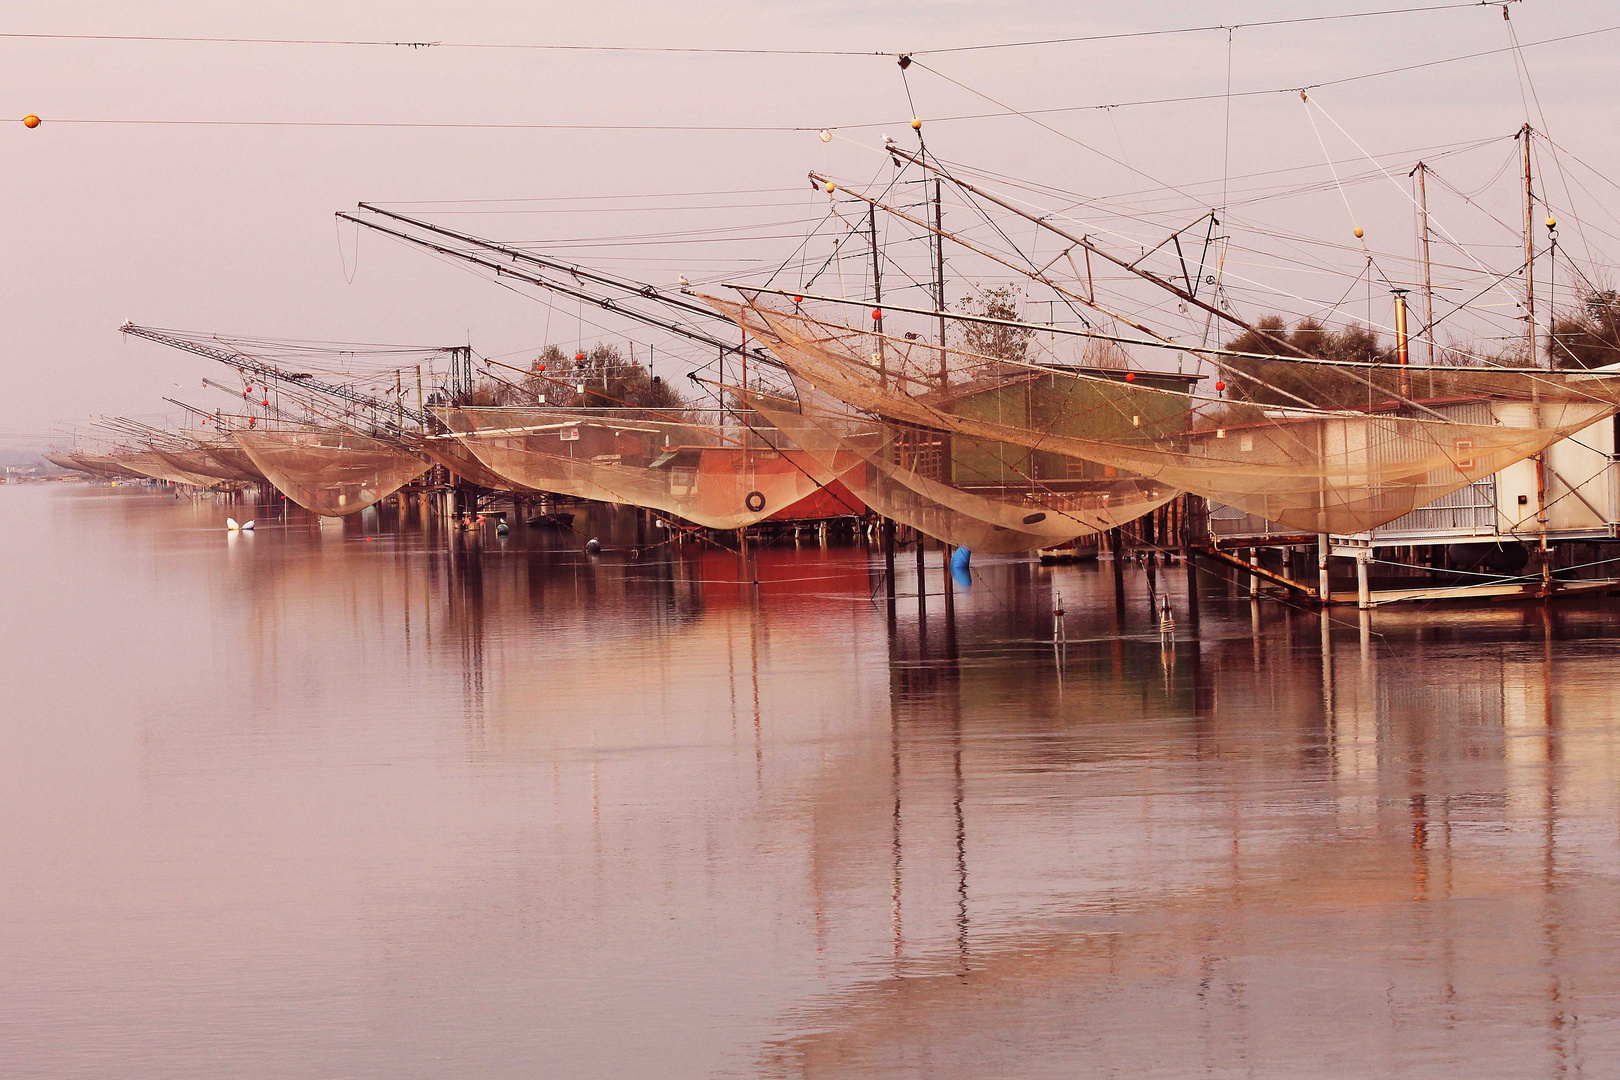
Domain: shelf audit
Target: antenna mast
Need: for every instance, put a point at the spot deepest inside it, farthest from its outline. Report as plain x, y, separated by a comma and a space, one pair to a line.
1422, 172
939, 277
1529, 253
877, 295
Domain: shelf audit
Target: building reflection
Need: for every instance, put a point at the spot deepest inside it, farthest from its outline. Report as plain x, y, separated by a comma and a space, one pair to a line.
1405, 822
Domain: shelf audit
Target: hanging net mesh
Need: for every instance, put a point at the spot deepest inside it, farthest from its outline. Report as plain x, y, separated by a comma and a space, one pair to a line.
109, 465
103, 465
231, 461
451, 452
710, 474
1316, 447
197, 461
898, 471
63, 460
156, 465
332, 473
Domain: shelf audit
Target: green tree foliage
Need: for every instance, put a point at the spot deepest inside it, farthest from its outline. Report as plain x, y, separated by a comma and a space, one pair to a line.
1285, 384
1009, 343
601, 378
1588, 337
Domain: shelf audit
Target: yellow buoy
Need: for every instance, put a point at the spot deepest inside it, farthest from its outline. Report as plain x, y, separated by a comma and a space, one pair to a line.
831, 187
1552, 222
1360, 232
916, 123
31, 121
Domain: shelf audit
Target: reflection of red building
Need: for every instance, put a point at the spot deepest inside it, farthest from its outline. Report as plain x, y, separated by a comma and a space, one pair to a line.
820, 580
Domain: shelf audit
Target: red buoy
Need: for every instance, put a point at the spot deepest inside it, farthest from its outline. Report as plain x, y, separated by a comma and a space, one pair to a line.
579, 356
539, 367
1219, 387
876, 315
798, 299
1130, 376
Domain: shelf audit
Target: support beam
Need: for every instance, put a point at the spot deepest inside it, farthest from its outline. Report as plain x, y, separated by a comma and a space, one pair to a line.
1324, 589
1254, 569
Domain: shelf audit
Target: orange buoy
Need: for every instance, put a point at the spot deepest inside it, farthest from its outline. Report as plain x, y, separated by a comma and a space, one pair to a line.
1360, 232
30, 121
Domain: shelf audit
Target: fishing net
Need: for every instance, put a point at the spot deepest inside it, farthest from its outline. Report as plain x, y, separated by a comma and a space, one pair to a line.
156, 466
232, 461
196, 461
332, 473
109, 466
1315, 447
1001, 510
709, 474
65, 461
451, 452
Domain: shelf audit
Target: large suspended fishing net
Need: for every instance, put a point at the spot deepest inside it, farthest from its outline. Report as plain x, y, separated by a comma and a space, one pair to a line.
231, 461
156, 465
997, 501
108, 465
196, 461
715, 475
64, 460
102, 465
332, 473
1314, 446
451, 452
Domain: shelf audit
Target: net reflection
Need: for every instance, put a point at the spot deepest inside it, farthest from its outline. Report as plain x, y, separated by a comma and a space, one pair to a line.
669, 821
1330, 862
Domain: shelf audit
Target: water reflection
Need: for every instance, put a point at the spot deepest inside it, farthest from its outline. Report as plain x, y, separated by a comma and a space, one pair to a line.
377, 797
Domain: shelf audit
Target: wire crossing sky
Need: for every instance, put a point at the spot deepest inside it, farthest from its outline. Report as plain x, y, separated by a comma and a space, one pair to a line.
189, 161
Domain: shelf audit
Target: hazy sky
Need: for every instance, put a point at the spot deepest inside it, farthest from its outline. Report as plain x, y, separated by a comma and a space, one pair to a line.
230, 228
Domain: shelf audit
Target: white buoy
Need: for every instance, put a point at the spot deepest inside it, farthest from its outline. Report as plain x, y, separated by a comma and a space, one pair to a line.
231, 525
247, 526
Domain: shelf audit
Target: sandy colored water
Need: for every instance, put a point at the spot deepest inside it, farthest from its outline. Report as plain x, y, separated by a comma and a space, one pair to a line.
377, 800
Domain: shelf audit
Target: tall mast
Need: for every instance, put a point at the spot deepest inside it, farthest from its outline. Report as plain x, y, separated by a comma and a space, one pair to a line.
1529, 252
877, 294
1422, 171
979, 249
939, 277
1530, 343
1090, 246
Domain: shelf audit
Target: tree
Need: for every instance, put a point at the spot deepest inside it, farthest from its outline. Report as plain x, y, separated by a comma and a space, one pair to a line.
1588, 337
599, 379
1286, 383
1010, 343
605, 379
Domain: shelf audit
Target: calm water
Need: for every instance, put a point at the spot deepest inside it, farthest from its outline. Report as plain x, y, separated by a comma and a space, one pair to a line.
377, 801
